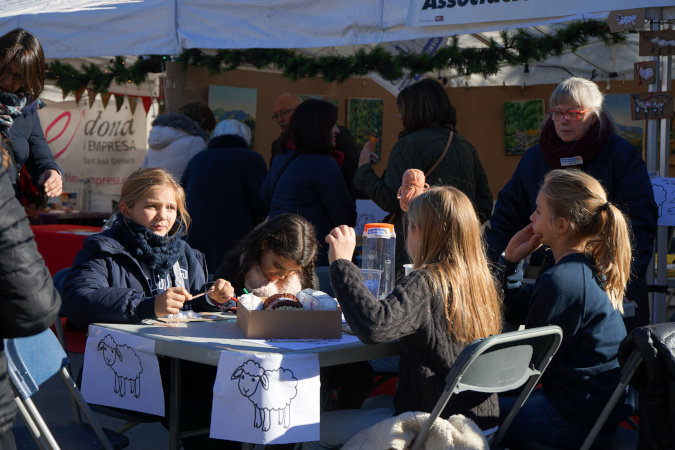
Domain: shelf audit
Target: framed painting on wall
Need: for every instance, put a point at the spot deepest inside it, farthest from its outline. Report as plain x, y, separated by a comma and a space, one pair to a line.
364, 120
523, 120
618, 105
237, 103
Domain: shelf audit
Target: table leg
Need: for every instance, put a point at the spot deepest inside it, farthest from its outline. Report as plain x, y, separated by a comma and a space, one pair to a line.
174, 405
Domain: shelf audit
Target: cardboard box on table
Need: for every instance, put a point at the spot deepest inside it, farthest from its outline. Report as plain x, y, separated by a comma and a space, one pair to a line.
287, 324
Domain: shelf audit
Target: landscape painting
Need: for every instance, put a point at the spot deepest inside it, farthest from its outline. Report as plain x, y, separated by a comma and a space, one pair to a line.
364, 120
237, 103
619, 107
523, 120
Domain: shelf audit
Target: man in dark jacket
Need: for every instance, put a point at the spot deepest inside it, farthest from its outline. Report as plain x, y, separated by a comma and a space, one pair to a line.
284, 105
30, 302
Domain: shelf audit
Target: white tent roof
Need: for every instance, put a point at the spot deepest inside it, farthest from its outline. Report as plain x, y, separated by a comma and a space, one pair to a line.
85, 28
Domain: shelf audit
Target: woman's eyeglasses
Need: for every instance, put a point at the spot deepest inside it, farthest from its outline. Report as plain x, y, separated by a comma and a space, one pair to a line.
569, 115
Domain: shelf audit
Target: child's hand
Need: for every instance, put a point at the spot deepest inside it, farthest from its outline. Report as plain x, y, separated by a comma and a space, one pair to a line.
342, 241
221, 291
522, 244
170, 301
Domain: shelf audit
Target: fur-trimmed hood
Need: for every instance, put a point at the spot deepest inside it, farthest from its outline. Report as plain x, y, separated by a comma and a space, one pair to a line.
181, 122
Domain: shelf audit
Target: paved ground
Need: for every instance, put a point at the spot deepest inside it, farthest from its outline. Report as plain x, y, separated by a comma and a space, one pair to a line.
53, 402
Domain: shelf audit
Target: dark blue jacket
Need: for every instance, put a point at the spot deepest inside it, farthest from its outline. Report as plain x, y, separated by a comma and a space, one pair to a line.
622, 171
30, 147
222, 191
584, 371
312, 187
107, 284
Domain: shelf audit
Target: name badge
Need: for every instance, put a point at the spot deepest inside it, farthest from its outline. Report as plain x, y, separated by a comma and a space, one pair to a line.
573, 161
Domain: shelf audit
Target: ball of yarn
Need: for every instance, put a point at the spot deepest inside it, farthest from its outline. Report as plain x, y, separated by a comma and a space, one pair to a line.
412, 185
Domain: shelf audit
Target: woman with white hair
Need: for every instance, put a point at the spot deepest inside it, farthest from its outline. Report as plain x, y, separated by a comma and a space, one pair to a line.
580, 133
222, 189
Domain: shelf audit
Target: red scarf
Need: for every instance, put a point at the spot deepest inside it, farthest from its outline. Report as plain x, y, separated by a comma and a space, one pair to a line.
336, 154
588, 147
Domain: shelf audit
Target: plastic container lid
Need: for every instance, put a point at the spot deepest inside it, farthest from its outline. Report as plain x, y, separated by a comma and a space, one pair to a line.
385, 230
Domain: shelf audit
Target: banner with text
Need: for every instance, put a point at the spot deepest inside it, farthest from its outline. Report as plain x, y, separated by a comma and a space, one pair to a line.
98, 144
454, 12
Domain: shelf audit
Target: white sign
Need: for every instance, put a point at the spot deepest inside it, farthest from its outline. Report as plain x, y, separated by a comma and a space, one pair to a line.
367, 212
121, 370
413, 46
272, 399
664, 195
459, 12
99, 144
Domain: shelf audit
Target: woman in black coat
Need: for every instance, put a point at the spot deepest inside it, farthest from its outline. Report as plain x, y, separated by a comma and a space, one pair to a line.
30, 304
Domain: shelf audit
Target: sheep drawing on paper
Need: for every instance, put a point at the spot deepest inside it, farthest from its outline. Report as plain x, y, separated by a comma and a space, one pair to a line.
125, 363
627, 21
280, 385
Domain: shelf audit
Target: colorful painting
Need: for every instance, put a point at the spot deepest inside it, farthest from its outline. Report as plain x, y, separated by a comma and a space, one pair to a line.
364, 120
237, 103
523, 120
618, 105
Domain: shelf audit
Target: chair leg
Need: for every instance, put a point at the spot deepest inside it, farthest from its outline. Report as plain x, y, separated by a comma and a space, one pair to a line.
45, 439
84, 407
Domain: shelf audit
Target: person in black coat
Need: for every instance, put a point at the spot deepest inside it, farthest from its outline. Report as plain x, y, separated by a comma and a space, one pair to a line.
22, 79
30, 304
222, 190
306, 178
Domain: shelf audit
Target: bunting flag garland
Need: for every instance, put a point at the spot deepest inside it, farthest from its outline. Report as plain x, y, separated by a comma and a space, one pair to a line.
78, 95
119, 101
147, 103
133, 99
514, 48
92, 97
105, 98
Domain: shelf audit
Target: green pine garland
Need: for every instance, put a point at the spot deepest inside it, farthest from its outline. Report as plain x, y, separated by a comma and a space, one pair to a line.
515, 48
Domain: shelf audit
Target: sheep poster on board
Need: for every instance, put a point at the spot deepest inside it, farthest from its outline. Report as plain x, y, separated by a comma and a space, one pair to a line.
270, 399
121, 370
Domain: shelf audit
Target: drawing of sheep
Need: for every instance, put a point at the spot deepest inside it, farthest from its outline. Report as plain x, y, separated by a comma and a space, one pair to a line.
646, 73
281, 385
125, 363
626, 20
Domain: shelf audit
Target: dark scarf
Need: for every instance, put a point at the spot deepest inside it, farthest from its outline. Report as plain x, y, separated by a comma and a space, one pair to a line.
13, 105
336, 154
159, 253
588, 147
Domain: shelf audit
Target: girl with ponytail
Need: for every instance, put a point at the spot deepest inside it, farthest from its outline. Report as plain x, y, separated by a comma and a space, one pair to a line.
582, 293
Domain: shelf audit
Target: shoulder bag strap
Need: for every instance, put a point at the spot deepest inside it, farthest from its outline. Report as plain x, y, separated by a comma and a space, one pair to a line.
445, 152
392, 216
283, 169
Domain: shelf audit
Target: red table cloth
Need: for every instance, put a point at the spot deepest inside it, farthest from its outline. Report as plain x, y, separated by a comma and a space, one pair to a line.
59, 244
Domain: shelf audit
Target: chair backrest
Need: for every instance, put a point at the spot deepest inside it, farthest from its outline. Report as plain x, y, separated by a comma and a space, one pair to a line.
32, 360
495, 364
627, 372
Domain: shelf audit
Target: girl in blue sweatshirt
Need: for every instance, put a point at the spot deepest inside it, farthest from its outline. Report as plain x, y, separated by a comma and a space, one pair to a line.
583, 294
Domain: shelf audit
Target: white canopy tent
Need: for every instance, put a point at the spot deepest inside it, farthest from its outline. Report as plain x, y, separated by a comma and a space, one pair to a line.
85, 28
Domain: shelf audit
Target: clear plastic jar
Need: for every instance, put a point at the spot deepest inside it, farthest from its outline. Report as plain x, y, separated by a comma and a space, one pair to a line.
378, 252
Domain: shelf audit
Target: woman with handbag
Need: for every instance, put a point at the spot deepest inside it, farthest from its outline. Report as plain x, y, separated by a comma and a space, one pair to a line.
431, 144
306, 179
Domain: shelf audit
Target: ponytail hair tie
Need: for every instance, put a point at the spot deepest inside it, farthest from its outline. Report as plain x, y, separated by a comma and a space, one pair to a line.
412, 185
605, 207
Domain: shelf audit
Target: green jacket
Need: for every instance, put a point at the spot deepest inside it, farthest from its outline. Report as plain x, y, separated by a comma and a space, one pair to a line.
420, 149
